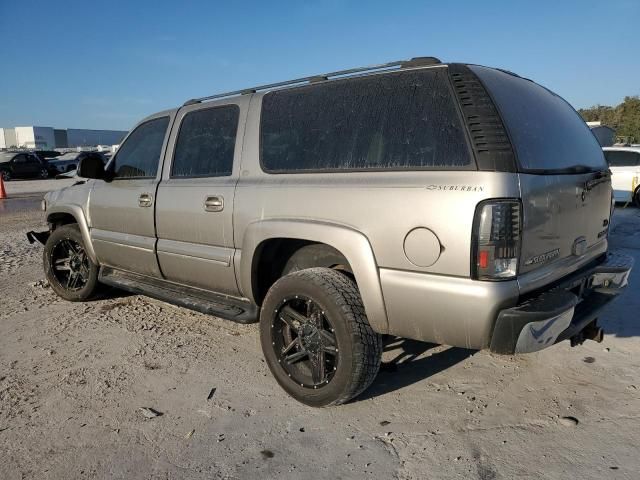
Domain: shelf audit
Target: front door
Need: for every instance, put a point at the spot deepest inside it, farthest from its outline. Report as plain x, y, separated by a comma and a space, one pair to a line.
194, 211
21, 166
121, 212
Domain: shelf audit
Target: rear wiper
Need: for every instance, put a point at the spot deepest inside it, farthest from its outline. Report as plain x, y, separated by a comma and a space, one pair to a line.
577, 169
602, 176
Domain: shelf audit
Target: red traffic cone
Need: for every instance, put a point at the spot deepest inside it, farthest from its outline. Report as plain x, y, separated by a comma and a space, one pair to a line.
3, 193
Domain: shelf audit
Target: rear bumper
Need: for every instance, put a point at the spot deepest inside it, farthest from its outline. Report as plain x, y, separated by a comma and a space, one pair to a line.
563, 311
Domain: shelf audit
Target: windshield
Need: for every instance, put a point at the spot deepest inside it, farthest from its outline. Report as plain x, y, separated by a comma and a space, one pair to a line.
546, 132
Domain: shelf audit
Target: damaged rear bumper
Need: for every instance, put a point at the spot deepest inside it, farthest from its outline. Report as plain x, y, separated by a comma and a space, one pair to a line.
41, 237
562, 312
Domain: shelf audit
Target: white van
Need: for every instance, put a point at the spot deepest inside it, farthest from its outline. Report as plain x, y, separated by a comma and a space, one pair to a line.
624, 163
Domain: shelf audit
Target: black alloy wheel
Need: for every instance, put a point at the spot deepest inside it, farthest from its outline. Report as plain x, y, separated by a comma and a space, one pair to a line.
316, 338
70, 265
67, 266
304, 341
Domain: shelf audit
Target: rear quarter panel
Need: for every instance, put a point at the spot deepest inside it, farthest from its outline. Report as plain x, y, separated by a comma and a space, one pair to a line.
384, 206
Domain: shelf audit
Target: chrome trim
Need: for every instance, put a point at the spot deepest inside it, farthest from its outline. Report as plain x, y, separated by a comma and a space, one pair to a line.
220, 255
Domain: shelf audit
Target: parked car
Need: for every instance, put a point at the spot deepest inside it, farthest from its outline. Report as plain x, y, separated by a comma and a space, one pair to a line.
447, 203
22, 165
69, 161
624, 163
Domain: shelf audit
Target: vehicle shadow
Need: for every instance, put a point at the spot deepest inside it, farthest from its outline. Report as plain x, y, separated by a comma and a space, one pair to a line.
408, 366
620, 319
106, 292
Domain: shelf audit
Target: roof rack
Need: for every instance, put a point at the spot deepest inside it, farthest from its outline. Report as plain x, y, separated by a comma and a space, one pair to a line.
413, 62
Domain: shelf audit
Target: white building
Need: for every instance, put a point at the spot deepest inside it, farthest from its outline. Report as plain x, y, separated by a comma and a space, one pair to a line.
47, 138
8, 138
35, 137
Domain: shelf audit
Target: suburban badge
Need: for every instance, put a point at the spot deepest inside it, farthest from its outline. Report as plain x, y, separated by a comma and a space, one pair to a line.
544, 257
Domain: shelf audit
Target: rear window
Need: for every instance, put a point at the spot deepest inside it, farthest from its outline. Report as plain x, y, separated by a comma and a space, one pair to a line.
546, 132
402, 120
617, 158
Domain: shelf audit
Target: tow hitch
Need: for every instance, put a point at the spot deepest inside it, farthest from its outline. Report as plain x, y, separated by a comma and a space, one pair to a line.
590, 332
38, 236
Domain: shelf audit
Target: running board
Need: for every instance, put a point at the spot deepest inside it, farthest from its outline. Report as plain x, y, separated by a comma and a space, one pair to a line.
223, 306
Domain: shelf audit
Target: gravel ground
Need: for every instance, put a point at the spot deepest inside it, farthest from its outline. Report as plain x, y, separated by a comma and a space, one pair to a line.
73, 378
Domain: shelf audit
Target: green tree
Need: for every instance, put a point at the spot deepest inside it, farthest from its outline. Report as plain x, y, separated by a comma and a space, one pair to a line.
624, 118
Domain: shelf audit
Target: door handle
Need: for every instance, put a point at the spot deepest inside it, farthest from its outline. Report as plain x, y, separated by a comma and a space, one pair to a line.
213, 203
145, 200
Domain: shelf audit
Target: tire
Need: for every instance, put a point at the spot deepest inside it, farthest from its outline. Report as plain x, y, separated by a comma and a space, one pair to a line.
44, 173
75, 280
6, 175
351, 350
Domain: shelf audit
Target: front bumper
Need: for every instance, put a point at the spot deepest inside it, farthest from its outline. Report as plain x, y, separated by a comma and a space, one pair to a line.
563, 311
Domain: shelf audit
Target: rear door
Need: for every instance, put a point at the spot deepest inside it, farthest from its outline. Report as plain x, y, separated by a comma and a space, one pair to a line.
33, 165
564, 180
194, 211
121, 212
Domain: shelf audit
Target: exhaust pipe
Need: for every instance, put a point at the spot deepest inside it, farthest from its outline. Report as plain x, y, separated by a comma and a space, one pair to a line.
590, 332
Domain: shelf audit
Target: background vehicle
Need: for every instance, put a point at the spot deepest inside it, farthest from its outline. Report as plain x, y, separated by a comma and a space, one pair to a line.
22, 165
403, 200
69, 161
624, 163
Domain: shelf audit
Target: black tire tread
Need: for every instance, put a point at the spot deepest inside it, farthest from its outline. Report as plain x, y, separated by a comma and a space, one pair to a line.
368, 345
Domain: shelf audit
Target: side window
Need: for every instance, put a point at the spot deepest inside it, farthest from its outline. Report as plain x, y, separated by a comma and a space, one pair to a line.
405, 120
139, 155
20, 159
206, 143
618, 158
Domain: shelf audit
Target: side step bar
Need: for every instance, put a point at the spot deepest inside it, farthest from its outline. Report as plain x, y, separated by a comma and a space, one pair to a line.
223, 306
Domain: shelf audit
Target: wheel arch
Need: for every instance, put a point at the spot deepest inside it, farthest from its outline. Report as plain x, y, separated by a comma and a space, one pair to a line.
349, 243
64, 215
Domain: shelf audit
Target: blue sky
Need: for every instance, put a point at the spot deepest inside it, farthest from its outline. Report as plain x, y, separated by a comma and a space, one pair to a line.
93, 64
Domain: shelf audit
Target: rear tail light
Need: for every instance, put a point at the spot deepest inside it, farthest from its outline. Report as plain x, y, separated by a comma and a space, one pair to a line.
496, 240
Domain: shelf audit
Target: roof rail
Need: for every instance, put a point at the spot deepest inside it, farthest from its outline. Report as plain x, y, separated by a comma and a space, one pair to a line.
413, 62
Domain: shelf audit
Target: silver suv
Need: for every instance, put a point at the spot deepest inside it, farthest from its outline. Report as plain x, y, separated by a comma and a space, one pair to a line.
449, 203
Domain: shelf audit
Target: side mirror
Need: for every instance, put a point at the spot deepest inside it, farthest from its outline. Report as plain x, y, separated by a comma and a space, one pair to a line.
91, 166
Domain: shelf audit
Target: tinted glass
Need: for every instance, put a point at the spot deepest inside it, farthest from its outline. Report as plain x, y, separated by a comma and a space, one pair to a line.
402, 120
139, 155
546, 132
622, 159
206, 143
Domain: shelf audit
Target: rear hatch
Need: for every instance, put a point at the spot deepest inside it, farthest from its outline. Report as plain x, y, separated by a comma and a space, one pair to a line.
565, 183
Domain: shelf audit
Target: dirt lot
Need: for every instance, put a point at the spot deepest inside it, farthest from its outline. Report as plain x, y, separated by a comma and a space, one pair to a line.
74, 376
